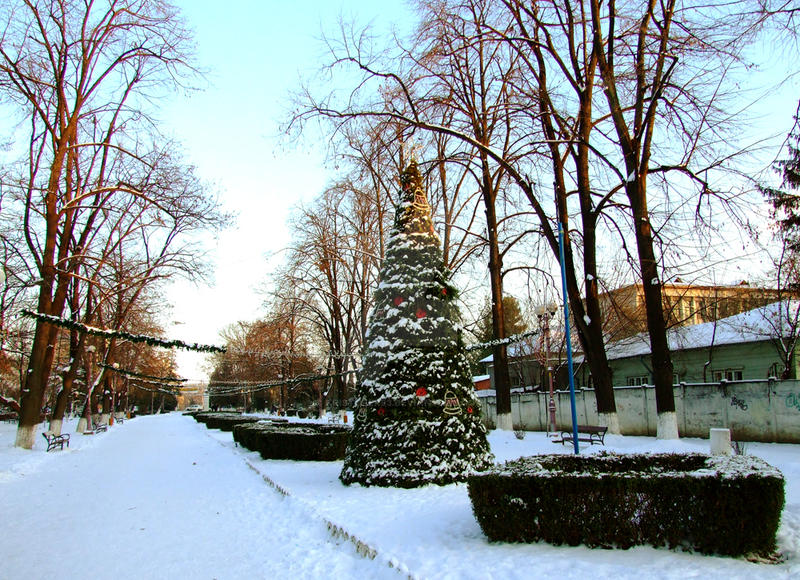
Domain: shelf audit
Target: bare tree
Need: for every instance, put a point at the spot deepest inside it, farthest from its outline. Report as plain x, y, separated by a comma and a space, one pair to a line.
83, 73
662, 74
459, 78
556, 50
331, 272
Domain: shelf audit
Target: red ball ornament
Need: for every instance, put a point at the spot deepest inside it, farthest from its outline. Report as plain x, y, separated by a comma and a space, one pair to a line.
398, 300
444, 291
469, 410
381, 411
421, 313
422, 392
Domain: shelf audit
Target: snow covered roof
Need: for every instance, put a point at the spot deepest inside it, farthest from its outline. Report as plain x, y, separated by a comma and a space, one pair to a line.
760, 324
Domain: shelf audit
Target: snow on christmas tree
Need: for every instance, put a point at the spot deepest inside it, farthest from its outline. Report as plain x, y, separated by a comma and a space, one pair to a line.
417, 419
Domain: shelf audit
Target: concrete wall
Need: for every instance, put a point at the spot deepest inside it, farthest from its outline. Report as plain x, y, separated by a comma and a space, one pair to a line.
765, 410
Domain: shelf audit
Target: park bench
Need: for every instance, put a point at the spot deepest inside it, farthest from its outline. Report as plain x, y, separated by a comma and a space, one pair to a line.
97, 429
588, 433
334, 418
54, 441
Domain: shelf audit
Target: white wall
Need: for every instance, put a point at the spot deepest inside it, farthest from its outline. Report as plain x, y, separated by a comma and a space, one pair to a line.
752, 410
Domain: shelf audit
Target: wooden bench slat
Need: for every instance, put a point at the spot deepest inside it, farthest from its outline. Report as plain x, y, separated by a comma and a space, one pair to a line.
596, 434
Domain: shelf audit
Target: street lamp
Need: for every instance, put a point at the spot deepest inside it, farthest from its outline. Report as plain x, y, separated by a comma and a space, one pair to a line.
545, 314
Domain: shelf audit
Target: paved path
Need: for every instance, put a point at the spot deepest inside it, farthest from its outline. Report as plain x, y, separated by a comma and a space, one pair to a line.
157, 497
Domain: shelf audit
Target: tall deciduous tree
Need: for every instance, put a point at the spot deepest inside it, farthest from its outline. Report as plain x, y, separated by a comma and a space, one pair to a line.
81, 73
555, 48
331, 273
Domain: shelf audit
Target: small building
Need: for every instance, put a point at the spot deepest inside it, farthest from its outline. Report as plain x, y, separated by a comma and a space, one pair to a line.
745, 346
684, 305
526, 367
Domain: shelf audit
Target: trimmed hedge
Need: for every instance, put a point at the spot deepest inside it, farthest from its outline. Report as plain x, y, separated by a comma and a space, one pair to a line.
711, 504
300, 441
223, 421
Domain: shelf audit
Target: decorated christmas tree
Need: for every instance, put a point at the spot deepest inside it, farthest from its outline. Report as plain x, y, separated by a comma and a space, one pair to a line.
417, 419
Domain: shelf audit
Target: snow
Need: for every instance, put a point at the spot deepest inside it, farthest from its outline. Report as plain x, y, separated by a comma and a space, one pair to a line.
163, 497
760, 324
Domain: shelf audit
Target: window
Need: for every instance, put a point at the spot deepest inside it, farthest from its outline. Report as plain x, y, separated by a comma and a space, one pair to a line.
775, 370
638, 381
727, 374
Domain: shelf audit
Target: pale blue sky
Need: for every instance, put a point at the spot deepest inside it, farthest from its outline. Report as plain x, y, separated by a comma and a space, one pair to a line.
255, 53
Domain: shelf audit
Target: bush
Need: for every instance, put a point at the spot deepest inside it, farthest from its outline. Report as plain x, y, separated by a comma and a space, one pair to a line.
223, 421
300, 441
723, 505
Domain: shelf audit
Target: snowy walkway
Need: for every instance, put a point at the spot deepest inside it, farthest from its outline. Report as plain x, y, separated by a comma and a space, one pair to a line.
156, 498
164, 497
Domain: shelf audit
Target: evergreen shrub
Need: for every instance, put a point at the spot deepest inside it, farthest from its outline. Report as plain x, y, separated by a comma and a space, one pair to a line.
710, 504
299, 441
223, 421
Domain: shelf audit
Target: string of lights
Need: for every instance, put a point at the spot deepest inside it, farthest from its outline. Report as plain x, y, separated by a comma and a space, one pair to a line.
129, 336
172, 387
153, 341
163, 391
134, 374
234, 387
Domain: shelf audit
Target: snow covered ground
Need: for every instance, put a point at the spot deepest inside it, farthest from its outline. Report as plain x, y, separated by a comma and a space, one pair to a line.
163, 497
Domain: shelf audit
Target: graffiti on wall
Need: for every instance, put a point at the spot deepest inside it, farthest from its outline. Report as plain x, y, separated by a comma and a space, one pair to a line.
793, 400
736, 402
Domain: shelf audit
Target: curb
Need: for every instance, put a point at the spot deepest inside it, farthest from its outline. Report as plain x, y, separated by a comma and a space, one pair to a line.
363, 549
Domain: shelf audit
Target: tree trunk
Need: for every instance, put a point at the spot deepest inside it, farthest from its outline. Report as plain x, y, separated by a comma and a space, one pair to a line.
502, 382
76, 343
593, 330
586, 311
107, 400
57, 418
33, 388
654, 308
